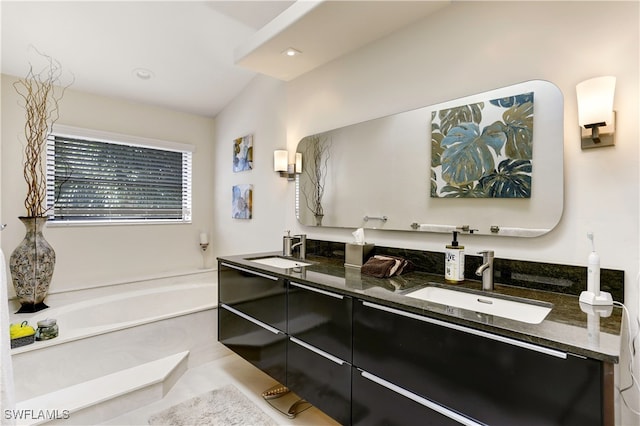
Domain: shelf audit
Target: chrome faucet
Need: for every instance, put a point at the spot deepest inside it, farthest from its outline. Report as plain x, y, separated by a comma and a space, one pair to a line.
288, 245
486, 269
301, 244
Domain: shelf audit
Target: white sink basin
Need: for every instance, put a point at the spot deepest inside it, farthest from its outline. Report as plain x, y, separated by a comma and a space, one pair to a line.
280, 262
519, 311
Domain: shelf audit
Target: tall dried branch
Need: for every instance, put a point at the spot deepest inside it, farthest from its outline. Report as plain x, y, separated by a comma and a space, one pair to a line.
316, 156
41, 93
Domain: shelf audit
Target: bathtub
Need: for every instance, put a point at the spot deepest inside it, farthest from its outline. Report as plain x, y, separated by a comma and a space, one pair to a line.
106, 314
103, 334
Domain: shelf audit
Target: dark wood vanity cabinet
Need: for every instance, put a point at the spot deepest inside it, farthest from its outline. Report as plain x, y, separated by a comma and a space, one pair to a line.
366, 363
319, 349
377, 402
259, 295
486, 378
263, 347
252, 318
321, 379
321, 318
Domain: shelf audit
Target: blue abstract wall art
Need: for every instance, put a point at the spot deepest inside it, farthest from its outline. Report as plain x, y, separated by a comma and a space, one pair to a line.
242, 201
243, 153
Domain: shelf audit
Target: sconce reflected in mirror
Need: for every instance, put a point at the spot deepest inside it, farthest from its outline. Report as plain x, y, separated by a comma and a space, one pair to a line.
282, 166
595, 111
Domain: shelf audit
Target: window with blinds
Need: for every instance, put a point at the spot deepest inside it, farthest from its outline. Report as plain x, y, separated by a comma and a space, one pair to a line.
98, 177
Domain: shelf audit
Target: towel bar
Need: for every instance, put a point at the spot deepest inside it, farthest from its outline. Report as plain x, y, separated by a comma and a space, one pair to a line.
382, 218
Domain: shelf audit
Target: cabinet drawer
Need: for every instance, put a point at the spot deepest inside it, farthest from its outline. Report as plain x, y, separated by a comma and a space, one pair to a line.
493, 381
321, 379
321, 318
377, 402
261, 296
265, 348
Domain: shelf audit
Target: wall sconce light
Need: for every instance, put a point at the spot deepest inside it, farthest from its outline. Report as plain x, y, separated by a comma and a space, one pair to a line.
281, 164
280, 160
595, 111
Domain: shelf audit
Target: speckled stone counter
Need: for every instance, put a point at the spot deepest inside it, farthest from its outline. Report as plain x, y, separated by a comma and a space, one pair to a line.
564, 329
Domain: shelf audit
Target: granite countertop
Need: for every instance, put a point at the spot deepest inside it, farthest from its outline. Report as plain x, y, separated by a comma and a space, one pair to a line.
564, 329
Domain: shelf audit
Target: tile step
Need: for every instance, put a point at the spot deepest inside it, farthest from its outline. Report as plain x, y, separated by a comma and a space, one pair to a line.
109, 396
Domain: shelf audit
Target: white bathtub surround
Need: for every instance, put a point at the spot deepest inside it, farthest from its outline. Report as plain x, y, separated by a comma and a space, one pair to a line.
7, 393
57, 299
82, 360
97, 400
86, 318
115, 330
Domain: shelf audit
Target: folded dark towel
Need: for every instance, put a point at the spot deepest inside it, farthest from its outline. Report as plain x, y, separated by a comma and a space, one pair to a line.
382, 266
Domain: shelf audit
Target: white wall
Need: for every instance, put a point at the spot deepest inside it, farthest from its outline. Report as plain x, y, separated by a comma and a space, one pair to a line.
468, 48
260, 111
93, 255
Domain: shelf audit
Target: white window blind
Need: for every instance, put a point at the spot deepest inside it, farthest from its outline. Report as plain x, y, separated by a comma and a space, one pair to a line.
103, 177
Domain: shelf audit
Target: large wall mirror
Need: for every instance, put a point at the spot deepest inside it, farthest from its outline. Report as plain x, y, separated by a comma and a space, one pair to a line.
490, 163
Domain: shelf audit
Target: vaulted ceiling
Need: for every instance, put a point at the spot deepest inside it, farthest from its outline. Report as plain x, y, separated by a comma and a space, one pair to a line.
197, 56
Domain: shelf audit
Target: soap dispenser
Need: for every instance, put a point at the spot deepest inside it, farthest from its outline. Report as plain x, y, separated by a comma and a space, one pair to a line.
287, 245
454, 261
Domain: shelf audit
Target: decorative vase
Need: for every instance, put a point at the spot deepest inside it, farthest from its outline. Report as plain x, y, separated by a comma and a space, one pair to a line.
31, 265
319, 219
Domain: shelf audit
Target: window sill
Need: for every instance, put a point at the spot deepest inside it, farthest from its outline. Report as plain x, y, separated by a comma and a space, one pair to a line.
73, 223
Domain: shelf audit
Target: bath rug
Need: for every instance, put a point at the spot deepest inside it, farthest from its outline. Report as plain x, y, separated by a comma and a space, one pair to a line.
225, 406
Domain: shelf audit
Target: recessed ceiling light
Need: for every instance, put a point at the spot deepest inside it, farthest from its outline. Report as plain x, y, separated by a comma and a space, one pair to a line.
291, 52
143, 73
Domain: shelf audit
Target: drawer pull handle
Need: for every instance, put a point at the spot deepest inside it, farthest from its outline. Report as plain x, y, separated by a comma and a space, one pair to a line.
525, 345
251, 319
317, 351
488, 302
317, 290
420, 400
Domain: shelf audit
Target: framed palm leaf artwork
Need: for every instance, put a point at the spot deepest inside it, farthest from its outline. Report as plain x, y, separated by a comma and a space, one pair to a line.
483, 150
